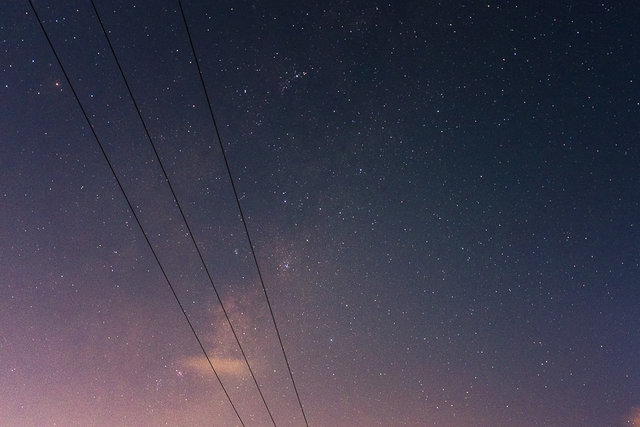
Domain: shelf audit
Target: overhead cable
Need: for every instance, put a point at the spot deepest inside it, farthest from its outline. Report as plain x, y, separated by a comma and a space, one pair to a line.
242, 217
133, 211
182, 214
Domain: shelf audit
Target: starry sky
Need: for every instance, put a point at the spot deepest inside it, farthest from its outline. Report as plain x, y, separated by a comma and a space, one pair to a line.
443, 199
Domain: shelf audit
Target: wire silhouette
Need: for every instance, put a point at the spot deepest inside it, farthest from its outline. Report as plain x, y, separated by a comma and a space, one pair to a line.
177, 202
84, 113
242, 217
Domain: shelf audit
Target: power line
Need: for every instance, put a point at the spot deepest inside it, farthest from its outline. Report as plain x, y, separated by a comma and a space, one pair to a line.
84, 113
242, 217
184, 218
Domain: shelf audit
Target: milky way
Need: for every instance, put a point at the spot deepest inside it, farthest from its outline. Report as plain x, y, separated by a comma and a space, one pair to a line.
443, 201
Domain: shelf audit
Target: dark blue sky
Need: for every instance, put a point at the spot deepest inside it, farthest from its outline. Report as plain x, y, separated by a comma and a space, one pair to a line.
443, 198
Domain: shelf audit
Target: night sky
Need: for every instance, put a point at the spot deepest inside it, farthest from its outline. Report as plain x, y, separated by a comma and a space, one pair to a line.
443, 197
